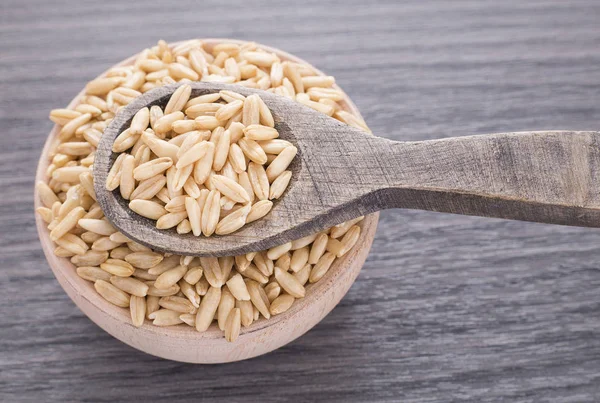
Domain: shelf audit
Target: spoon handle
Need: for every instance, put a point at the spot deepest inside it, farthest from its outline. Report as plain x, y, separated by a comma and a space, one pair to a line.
550, 177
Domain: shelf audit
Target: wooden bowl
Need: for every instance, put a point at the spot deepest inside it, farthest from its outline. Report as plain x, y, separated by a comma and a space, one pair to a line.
182, 342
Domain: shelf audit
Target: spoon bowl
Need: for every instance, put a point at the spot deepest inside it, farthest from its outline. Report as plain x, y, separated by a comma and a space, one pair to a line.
302, 201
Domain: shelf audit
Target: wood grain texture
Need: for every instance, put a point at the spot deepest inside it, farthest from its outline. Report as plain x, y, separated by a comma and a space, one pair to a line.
447, 308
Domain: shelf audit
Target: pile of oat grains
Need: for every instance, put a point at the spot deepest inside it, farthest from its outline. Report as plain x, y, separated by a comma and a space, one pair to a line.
169, 289
212, 169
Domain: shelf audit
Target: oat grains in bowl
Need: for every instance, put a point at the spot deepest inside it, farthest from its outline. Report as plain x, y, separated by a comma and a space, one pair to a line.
234, 186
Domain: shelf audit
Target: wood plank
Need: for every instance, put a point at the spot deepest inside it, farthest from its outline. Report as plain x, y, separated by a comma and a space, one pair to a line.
446, 308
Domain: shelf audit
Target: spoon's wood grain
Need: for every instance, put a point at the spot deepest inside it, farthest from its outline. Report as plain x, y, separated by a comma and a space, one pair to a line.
531, 176
341, 173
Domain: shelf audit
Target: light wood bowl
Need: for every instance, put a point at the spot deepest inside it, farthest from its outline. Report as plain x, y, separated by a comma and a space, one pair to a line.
184, 343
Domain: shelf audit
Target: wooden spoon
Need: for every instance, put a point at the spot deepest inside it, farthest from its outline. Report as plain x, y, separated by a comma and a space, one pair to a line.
341, 173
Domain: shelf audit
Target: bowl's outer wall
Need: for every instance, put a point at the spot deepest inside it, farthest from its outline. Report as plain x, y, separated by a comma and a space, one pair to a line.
183, 343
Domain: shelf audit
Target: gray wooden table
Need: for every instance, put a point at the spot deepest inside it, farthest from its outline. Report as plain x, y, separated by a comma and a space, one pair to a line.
447, 308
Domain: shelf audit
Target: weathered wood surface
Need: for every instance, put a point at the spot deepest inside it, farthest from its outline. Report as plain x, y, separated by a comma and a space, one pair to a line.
341, 173
447, 308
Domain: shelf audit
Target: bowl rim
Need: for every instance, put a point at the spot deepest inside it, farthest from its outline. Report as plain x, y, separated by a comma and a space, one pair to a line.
84, 289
